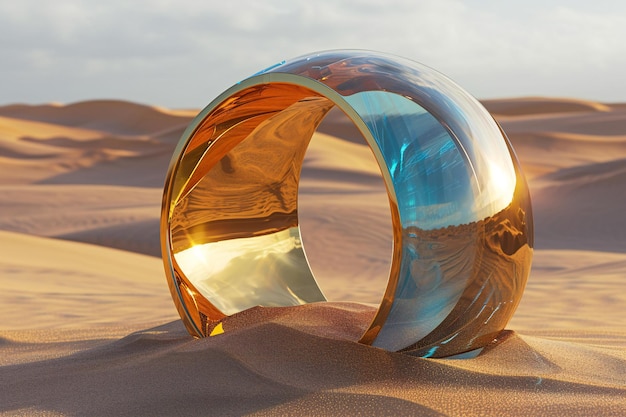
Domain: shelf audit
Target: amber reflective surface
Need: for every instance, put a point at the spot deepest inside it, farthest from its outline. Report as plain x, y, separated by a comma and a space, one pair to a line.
462, 224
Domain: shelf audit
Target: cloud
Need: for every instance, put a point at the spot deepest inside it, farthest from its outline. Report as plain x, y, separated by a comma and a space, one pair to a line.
183, 53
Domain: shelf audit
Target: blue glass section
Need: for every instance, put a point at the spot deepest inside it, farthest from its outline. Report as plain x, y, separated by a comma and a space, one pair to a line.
433, 185
430, 176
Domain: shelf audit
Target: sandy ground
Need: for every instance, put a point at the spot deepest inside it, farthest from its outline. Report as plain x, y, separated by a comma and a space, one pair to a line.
87, 326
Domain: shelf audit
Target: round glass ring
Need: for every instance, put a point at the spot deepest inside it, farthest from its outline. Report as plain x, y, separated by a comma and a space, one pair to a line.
460, 208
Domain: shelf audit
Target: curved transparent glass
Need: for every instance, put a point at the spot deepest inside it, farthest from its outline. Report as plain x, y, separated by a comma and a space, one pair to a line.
460, 210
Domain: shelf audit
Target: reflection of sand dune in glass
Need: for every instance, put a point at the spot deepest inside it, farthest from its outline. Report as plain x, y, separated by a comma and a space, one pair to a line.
467, 283
235, 274
440, 180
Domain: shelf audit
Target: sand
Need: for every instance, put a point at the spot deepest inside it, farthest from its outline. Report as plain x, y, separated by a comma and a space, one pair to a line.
87, 326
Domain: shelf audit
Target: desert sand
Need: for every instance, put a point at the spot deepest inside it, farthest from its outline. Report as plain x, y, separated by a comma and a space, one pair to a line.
87, 325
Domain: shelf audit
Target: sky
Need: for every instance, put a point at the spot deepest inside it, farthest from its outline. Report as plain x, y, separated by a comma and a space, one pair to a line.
183, 53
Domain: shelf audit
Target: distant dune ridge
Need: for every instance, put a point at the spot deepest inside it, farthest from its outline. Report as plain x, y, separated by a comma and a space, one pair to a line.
87, 326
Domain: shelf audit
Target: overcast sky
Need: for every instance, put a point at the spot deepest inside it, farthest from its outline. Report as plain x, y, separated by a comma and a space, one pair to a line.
183, 53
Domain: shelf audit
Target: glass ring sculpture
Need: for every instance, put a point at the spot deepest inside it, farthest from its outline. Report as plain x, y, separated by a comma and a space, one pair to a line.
460, 208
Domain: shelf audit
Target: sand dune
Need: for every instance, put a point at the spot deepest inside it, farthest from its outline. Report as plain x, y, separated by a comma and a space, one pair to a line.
87, 326
588, 123
582, 208
114, 216
575, 161
537, 150
49, 283
541, 106
111, 116
276, 368
574, 291
96, 142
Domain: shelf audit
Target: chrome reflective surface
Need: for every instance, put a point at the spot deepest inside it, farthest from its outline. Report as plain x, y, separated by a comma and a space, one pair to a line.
460, 209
